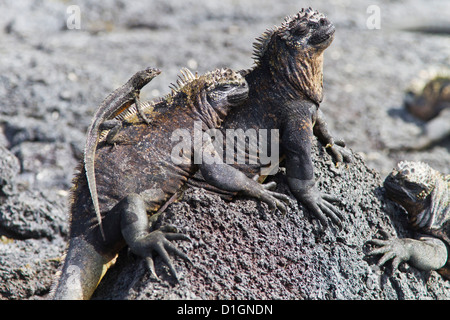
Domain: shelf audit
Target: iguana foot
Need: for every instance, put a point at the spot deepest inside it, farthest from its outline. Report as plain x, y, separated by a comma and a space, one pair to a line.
317, 202
320, 205
263, 192
337, 148
159, 241
393, 249
340, 153
426, 253
273, 198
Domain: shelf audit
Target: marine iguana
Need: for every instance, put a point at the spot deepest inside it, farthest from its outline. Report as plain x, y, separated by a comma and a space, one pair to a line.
140, 176
428, 99
285, 92
425, 194
115, 103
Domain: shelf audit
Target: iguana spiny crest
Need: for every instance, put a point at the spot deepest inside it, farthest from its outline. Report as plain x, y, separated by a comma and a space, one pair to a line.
215, 85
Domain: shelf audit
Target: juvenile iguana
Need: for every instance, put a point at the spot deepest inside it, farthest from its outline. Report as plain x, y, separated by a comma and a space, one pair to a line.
285, 93
115, 103
141, 175
425, 194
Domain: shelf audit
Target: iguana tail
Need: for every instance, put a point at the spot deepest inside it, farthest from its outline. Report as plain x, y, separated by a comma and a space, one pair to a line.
82, 271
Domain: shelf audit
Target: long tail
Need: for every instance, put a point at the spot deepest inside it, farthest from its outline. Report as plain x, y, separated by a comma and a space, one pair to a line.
115, 104
81, 273
89, 166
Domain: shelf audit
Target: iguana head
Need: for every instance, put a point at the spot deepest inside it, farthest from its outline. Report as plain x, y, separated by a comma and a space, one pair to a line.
418, 188
294, 51
308, 30
220, 89
224, 86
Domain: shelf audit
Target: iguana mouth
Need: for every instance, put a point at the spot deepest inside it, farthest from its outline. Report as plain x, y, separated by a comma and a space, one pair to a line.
238, 97
395, 189
322, 35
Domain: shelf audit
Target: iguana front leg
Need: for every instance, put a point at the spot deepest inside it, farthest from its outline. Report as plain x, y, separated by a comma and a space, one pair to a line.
140, 109
296, 143
336, 148
226, 177
135, 230
425, 254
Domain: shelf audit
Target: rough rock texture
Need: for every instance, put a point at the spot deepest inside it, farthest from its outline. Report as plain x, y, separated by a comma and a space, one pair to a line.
241, 250
32, 227
53, 78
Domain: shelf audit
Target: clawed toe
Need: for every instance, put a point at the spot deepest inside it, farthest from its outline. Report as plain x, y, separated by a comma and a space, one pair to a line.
159, 242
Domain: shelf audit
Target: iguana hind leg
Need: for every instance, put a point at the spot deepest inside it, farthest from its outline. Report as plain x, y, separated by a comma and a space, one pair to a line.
135, 230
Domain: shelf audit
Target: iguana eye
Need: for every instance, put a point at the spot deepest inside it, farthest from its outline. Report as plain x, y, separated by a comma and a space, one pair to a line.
225, 87
313, 24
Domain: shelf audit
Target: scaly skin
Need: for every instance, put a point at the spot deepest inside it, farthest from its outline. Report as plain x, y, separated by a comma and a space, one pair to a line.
141, 177
425, 194
285, 93
115, 103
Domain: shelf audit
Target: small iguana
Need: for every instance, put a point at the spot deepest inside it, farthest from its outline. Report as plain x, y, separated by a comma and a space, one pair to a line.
141, 176
425, 194
285, 92
115, 103
428, 99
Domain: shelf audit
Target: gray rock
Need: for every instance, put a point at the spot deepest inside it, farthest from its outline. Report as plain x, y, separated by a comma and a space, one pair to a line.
241, 250
27, 213
9, 169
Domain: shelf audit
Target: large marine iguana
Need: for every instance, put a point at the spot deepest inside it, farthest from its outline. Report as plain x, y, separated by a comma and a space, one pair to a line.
425, 194
140, 176
285, 92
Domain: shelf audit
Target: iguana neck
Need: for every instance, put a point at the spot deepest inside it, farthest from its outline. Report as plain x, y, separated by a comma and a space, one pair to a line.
210, 116
296, 75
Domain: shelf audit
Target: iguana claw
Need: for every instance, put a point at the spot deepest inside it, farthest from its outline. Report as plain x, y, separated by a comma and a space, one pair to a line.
159, 242
317, 202
394, 249
273, 198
